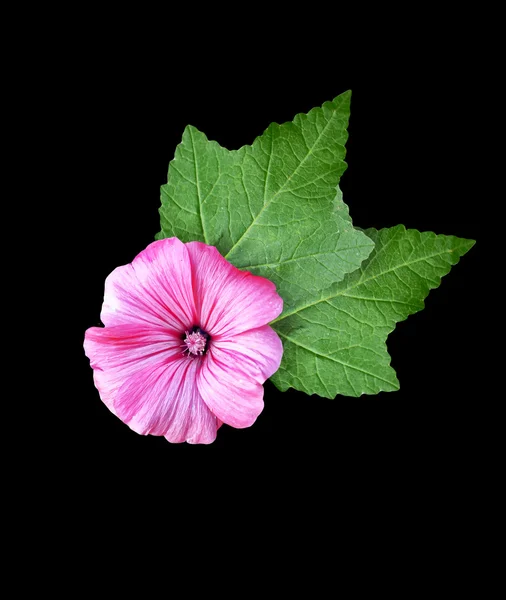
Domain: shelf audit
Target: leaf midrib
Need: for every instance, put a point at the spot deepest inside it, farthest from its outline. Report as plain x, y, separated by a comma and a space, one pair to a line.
197, 182
287, 180
325, 356
359, 282
298, 258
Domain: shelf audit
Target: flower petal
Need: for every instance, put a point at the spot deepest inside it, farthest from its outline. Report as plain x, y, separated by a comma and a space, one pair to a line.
231, 383
156, 288
117, 353
229, 301
257, 352
164, 400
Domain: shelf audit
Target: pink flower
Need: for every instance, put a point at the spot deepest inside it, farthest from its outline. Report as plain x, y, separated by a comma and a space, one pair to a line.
186, 345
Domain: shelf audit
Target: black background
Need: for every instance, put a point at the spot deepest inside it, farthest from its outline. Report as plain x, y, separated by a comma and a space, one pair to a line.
410, 160
402, 481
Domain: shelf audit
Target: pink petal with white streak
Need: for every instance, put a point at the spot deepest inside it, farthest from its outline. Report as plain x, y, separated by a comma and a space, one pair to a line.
155, 289
229, 301
230, 380
257, 352
117, 353
164, 400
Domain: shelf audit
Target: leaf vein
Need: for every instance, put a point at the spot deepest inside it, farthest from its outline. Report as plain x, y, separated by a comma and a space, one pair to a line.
324, 356
199, 195
287, 180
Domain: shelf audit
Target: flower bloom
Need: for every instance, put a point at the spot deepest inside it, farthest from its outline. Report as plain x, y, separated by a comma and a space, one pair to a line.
186, 345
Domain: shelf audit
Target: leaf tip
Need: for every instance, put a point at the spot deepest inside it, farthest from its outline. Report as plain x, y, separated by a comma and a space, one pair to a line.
462, 246
193, 131
469, 244
344, 98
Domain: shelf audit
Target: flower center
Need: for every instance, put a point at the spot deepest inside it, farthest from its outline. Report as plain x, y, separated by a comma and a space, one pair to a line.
196, 341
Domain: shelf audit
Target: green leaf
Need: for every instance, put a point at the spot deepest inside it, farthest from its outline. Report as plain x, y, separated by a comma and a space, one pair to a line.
274, 207
337, 345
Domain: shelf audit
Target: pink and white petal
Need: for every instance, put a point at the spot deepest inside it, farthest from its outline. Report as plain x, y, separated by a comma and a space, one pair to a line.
229, 301
117, 353
155, 289
164, 400
232, 393
257, 351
